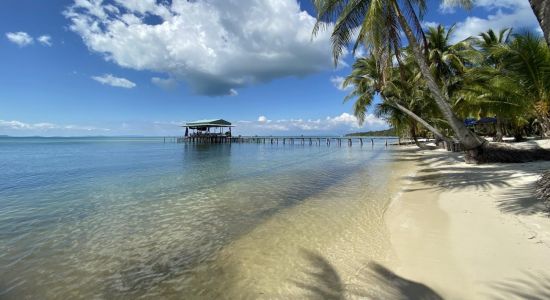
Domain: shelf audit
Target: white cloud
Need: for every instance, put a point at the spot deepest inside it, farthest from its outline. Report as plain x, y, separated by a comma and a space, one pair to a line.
45, 40
214, 46
339, 124
338, 82
111, 80
17, 127
165, 83
20, 38
360, 52
502, 14
342, 123
427, 24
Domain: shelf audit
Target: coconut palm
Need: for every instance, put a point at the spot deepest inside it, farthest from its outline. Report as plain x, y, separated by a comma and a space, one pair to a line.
496, 87
448, 61
526, 59
368, 79
379, 23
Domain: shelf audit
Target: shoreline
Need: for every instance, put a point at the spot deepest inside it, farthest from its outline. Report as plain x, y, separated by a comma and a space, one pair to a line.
471, 231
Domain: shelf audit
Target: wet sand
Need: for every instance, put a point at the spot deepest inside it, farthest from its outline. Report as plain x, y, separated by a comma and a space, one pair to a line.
471, 232
335, 245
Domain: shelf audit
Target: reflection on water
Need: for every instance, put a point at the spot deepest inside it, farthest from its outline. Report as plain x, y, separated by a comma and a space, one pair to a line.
111, 218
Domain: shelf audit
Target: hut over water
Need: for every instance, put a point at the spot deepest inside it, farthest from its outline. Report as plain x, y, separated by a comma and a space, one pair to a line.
209, 131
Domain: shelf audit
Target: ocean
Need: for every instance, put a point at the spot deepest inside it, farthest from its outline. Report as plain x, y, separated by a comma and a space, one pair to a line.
136, 218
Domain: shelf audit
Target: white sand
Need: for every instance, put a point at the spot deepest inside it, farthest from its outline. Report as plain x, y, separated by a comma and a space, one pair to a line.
471, 232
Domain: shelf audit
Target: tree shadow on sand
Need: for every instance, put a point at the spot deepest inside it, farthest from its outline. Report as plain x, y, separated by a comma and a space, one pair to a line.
375, 281
438, 172
521, 200
531, 286
460, 178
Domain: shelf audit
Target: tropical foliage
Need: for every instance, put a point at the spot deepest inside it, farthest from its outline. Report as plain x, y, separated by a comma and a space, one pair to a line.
432, 85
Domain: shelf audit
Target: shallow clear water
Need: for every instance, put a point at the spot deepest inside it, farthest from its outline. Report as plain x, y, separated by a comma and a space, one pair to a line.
134, 218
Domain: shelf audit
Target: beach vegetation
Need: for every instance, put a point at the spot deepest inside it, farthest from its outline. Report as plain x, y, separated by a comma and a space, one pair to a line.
432, 84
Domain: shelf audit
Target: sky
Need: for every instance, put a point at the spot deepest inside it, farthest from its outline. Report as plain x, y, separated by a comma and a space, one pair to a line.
144, 67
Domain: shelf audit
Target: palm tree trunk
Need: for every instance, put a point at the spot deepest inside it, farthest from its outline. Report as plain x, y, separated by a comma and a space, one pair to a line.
469, 140
541, 8
415, 138
418, 119
498, 135
545, 126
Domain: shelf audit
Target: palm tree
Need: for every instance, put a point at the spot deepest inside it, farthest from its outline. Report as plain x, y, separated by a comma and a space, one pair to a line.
368, 79
541, 8
448, 61
491, 79
526, 59
380, 22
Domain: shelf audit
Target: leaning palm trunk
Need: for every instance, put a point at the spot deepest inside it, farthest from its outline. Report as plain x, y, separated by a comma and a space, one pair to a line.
418, 119
416, 141
499, 135
477, 149
541, 8
545, 126
542, 188
467, 138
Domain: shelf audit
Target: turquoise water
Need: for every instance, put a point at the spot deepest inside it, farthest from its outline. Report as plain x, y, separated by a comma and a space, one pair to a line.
134, 218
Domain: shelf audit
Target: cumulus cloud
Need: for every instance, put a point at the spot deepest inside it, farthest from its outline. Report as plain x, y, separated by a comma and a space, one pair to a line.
342, 123
45, 40
111, 80
360, 52
262, 119
427, 24
18, 127
214, 46
338, 82
165, 83
502, 14
20, 38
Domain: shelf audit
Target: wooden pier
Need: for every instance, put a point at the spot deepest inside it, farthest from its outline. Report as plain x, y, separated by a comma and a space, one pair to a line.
218, 131
291, 140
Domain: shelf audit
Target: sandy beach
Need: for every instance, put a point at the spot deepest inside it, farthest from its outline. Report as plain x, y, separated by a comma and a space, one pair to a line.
464, 231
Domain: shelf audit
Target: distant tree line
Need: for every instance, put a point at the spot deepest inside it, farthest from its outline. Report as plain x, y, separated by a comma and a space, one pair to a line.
386, 132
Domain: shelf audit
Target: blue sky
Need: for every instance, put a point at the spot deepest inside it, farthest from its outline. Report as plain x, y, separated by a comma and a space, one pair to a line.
141, 67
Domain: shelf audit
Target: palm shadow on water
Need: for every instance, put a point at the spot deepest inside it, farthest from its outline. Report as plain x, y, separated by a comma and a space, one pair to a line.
375, 281
137, 277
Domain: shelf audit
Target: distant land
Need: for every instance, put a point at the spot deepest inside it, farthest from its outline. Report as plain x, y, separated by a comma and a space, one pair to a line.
387, 132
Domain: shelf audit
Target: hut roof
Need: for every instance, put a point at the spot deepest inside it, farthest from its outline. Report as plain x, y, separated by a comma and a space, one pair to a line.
209, 123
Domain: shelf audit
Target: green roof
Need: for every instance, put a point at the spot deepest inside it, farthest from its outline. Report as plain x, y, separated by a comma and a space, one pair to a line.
209, 123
